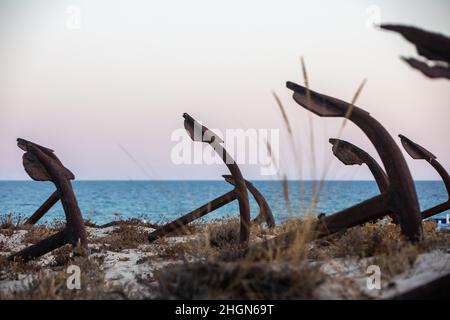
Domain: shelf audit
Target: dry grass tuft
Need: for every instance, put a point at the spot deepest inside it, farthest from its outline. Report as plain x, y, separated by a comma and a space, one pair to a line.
395, 257
292, 244
52, 284
264, 273
213, 280
372, 239
12, 270
9, 223
224, 235
37, 233
362, 241
177, 250
434, 239
123, 237
62, 256
383, 244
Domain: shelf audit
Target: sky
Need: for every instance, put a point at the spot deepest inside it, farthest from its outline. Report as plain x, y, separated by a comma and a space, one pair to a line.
105, 83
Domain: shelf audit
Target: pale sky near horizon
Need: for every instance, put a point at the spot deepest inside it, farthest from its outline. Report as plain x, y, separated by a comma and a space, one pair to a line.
116, 88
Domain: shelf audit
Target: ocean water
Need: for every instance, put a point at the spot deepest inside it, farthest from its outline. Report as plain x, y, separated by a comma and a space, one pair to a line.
161, 201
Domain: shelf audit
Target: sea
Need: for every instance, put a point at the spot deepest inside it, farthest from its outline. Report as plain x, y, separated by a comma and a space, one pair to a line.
163, 201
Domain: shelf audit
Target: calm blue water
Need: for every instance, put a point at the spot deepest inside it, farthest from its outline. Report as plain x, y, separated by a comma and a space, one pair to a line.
160, 201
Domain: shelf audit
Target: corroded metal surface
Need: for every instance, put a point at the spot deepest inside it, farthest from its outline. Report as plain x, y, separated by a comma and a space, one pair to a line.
200, 133
400, 197
433, 46
349, 154
418, 152
42, 165
265, 213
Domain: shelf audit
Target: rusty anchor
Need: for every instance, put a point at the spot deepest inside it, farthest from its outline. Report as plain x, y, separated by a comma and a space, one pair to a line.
418, 152
400, 197
41, 164
198, 132
433, 46
265, 213
349, 154
193, 215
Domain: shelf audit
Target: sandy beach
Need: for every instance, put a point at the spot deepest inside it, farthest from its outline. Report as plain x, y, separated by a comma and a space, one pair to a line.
191, 264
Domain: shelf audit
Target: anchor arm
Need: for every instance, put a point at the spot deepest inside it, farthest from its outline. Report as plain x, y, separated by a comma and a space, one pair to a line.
349, 154
416, 151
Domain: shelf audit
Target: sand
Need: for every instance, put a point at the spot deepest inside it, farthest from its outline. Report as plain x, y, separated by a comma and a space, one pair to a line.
133, 269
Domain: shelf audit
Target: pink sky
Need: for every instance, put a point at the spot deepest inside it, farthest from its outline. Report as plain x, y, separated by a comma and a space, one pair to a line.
131, 70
